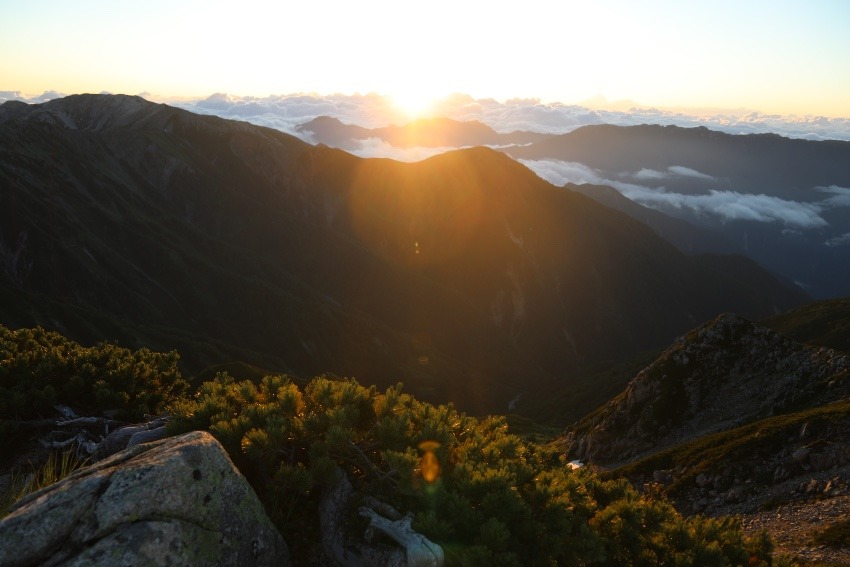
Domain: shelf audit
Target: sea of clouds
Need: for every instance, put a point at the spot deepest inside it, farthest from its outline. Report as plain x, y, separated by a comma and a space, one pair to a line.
287, 112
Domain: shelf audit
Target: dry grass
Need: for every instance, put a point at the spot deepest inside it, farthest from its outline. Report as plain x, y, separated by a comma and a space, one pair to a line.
23, 482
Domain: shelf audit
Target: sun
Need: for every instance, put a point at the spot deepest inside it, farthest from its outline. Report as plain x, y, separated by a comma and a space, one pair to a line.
414, 103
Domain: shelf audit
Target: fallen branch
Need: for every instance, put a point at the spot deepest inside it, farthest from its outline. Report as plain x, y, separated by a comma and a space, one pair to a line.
419, 550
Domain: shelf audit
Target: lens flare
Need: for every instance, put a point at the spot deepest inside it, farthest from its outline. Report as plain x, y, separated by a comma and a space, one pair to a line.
429, 465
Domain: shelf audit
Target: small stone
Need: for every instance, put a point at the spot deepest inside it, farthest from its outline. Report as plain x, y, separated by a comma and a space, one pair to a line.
821, 461
662, 477
801, 455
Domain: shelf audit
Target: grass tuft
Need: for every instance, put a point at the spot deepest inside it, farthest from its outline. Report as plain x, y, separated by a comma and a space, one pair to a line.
57, 467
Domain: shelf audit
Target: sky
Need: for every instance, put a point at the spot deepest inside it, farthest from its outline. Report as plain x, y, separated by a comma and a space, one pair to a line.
776, 57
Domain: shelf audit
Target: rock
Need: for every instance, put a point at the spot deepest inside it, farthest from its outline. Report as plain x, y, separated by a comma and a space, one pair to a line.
702, 480
175, 501
821, 461
128, 436
662, 477
801, 455
780, 474
146, 436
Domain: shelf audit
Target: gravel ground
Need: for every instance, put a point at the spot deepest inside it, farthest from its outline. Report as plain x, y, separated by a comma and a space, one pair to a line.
792, 527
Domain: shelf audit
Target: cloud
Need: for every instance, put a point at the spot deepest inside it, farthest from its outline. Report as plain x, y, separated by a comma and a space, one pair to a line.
371, 110
376, 147
672, 171
840, 196
287, 111
559, 172
843, 240
727, 205
730, 205
6, 96
688, 172
649, 174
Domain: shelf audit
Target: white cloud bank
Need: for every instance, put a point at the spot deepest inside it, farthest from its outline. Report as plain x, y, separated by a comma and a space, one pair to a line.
724, 204
285, 112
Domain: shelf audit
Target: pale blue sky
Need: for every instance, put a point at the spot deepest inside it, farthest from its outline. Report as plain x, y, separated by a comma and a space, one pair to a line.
777, 57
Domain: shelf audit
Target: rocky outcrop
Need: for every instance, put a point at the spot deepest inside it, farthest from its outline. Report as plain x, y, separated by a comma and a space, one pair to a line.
723, 374
178, 501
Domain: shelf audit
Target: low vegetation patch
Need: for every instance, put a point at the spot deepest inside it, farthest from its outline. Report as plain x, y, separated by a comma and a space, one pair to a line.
486, 495
835, 535
711, 452
26, 480
39, 369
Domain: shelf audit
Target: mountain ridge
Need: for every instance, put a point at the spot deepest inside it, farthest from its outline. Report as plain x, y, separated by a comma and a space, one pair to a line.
465, 275
781, 201
726, 373
424, 132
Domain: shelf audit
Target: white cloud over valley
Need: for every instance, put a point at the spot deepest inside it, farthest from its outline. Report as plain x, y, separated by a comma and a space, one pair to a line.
723, 204
731, 205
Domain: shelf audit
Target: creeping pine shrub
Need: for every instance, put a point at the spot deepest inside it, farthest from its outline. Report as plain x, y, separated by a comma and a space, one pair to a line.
39, 369
485, 495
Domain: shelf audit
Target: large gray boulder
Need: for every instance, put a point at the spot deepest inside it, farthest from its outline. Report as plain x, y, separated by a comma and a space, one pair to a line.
178, 501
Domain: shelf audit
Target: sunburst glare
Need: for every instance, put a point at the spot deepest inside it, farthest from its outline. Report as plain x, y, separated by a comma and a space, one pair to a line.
414, 103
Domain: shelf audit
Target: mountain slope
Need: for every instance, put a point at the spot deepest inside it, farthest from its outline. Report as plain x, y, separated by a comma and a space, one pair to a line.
465, 276
783, 202
784, 167
823, 323
686, 236
724, 374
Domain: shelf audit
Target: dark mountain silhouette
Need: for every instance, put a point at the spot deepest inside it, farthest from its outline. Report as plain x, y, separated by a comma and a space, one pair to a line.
427, 132
814, 254
769, 163
465, 276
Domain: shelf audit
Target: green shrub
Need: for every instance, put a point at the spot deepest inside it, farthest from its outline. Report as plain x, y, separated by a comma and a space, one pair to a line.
834, 535
39, 369
488, 497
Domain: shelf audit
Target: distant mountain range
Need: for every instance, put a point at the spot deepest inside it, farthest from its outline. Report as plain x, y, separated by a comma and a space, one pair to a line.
783, 202
465, 276
425, 132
